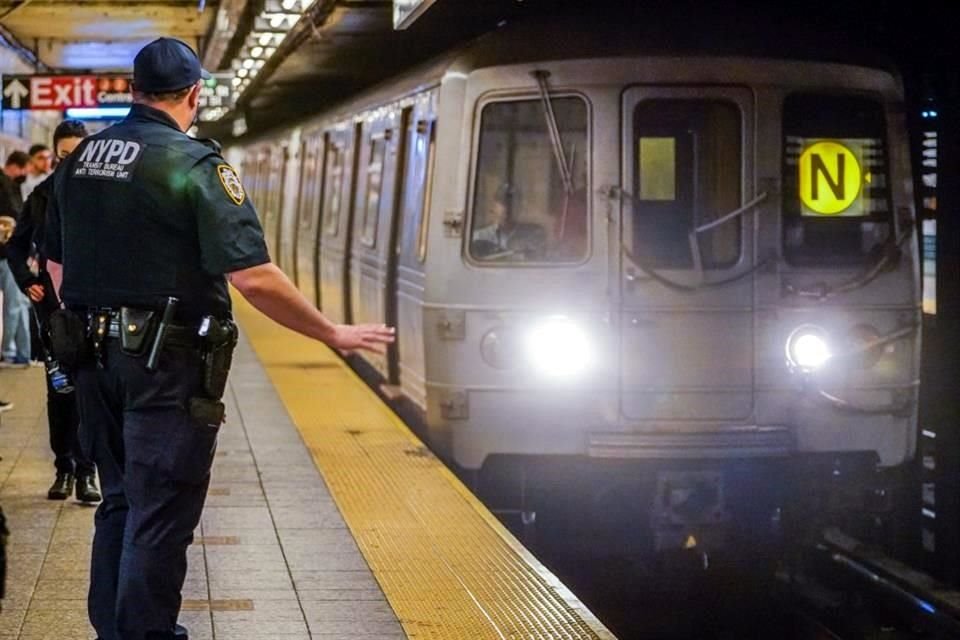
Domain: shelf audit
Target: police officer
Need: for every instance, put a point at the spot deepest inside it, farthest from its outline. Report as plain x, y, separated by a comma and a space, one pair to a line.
148, 225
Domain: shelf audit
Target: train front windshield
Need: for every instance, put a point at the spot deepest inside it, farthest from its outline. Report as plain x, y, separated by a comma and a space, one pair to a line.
836, 194
523, 212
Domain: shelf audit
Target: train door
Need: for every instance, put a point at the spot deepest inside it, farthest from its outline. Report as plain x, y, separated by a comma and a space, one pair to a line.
260, 181
408, 279
266, 188
278, 175
308, 216
335, 222
399, 172
288, 201
375, 207
686, 259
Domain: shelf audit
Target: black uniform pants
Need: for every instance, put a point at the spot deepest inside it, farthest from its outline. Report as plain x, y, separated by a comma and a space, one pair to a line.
154, 461
64, 422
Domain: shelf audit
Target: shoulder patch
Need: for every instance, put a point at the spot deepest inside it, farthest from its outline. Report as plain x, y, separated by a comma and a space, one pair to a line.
231, 183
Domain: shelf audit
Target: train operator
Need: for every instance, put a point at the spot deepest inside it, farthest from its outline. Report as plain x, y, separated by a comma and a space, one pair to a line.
149, 225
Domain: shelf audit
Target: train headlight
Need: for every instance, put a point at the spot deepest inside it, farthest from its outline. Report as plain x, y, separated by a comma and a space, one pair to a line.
808, 348
558, 348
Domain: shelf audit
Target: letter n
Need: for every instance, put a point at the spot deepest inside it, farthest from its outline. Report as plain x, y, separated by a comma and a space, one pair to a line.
817, 168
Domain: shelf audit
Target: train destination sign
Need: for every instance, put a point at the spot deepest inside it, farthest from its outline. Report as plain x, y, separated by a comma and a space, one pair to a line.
832, 178
62, 92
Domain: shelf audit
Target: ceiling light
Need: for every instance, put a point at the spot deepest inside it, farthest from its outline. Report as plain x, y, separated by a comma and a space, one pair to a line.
265, 39
236, 81
243, 73
288, 4
248, 63
259, 63
277, 20
256, 52
269, 51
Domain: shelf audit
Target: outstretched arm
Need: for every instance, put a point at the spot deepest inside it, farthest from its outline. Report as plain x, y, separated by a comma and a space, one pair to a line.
268, 289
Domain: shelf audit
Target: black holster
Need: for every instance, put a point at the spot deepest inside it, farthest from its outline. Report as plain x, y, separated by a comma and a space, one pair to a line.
217, 353
68, 338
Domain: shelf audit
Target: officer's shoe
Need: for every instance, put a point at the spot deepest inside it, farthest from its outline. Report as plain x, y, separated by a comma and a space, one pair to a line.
61, 488
87, 489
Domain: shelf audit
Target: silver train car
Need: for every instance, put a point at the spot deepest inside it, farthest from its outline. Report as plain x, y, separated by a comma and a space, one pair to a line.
588, 253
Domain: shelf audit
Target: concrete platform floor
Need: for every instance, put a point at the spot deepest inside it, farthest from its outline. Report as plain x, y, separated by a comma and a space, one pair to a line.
273, 558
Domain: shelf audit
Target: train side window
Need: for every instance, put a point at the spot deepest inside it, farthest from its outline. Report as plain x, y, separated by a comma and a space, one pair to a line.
334, 189
523, 211
371, 210
836, 184
687, 164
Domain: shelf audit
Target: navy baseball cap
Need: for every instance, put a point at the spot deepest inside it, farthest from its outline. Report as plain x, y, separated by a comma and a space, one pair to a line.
166, 64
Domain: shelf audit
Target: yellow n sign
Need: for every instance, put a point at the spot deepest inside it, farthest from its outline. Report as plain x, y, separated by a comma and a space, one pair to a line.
831, 180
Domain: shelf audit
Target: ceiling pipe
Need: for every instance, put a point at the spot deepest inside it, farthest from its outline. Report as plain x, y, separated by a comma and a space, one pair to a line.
8, 40
15, 8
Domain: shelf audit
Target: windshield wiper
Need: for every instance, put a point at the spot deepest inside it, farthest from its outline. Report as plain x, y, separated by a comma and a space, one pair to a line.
559, 153
556, 141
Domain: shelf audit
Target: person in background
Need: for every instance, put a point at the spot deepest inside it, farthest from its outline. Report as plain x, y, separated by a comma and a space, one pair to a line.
40, 167
74, 470
15, 346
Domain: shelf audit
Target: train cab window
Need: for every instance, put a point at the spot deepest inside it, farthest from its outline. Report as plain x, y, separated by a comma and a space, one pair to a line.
524, 209
687, 172
836, 194
371, 209
333, 189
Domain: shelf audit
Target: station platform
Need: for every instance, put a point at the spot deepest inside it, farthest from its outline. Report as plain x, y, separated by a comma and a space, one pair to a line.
326, 518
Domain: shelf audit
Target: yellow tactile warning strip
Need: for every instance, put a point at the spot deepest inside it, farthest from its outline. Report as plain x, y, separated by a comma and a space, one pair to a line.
446, 565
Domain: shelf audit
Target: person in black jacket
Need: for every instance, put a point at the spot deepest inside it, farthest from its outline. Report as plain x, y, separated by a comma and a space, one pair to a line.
15, 347
74, 469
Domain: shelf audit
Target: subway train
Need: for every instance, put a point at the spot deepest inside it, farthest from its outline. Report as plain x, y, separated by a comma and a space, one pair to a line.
699, 268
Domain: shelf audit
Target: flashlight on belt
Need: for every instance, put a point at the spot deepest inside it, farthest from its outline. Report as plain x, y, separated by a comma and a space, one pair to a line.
161, 336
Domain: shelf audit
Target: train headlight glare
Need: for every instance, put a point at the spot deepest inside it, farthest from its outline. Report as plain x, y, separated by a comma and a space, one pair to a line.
808, 349
558, 348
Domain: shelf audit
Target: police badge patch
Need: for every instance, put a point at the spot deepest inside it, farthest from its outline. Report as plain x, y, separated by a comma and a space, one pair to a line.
231, 183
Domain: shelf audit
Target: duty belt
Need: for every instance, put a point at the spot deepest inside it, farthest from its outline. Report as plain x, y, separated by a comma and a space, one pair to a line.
177, 335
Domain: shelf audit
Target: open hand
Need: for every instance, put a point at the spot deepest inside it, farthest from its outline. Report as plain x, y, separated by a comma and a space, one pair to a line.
369, 337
